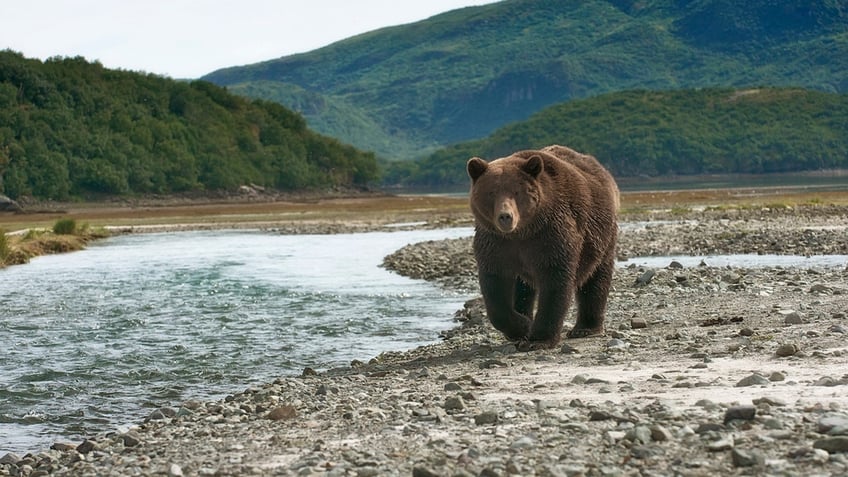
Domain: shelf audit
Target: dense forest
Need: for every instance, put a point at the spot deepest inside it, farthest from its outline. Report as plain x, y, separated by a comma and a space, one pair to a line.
652, 133
405, 91
74, 129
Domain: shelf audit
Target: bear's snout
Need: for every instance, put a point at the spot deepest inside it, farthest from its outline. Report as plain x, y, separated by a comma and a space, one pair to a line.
506, 216
505, 221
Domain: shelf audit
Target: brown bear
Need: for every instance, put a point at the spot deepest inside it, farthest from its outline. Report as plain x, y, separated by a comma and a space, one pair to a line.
545, 232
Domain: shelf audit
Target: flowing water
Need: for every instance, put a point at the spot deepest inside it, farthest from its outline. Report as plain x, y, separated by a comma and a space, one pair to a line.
92, 341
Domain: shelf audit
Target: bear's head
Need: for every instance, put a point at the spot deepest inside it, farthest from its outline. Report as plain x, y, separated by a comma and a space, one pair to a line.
505, 193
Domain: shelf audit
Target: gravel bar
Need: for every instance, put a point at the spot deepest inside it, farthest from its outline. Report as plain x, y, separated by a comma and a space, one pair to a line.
704, 371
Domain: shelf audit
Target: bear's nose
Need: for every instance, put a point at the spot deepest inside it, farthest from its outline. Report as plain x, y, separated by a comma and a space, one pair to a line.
505, 221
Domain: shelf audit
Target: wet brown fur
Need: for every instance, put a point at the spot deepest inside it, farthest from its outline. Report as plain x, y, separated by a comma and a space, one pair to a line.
546, 231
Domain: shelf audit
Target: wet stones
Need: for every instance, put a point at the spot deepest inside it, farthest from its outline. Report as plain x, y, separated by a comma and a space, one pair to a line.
745, 413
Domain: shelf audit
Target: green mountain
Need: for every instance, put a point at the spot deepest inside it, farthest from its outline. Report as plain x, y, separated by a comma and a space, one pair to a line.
73, 129
669, 132
405, 91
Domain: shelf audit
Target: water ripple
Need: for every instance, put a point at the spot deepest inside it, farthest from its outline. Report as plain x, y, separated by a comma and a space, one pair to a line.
98, 338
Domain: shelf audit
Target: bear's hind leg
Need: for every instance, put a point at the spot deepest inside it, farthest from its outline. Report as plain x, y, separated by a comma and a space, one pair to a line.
499, 297
591, 300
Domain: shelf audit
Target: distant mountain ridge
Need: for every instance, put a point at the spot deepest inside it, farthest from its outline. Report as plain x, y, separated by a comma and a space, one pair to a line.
406, 91
663, 133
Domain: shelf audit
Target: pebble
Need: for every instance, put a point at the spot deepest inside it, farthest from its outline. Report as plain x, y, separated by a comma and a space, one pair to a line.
753, 380
745, 413
454, 403
786, 349
722, 444
776, 376
282, 413
638, 323
486, 418
746, 457
646, 277
793, 318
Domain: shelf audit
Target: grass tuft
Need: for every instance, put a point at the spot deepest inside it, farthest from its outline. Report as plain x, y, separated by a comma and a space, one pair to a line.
65, 227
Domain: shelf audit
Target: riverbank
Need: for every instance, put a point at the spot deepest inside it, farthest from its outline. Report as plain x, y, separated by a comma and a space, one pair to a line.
704, 371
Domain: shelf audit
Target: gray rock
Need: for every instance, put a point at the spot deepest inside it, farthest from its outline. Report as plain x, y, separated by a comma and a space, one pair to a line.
524, 442
646, 277
660, 434
832, 444
638, 323
709, 427
647, 451
827, 381
752, 380
282, 413
175, 470
87, 446
161, 414
454, 403
786, 349
820, 288
746, 458
130, 439
568, 349
10, 458
486, 418
722, 444
793, 318
769, 401
745, 413
833, 423
424, 472
777, 376
639, 434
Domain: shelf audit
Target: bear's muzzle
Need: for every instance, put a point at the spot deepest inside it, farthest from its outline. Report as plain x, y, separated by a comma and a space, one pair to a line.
506, 216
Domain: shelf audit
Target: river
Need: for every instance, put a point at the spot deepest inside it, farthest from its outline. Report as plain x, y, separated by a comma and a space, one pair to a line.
94, 340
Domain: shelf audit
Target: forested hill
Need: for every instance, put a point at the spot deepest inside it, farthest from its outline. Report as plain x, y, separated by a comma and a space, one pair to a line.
405, 91
673, 132
72, 129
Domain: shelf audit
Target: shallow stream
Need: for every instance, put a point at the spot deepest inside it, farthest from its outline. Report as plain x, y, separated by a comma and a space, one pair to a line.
96, 339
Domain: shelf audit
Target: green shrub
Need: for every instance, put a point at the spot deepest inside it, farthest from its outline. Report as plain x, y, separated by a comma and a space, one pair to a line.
65, 227
4, 246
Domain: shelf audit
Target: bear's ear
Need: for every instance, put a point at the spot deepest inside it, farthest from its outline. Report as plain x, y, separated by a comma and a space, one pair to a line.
476, 167
533, 166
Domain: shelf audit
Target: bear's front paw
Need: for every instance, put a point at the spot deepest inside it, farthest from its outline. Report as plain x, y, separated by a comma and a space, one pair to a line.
533, 345
585, 332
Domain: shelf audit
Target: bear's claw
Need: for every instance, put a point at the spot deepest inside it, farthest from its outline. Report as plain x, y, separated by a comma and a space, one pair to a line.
531, 345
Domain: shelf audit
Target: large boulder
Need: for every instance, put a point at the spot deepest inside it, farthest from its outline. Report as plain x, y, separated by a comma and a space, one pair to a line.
8, 205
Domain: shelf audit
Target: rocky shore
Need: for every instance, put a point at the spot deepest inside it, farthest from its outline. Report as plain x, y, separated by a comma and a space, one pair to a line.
704, 371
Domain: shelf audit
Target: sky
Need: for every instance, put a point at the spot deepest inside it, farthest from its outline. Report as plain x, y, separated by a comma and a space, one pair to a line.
189, 38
